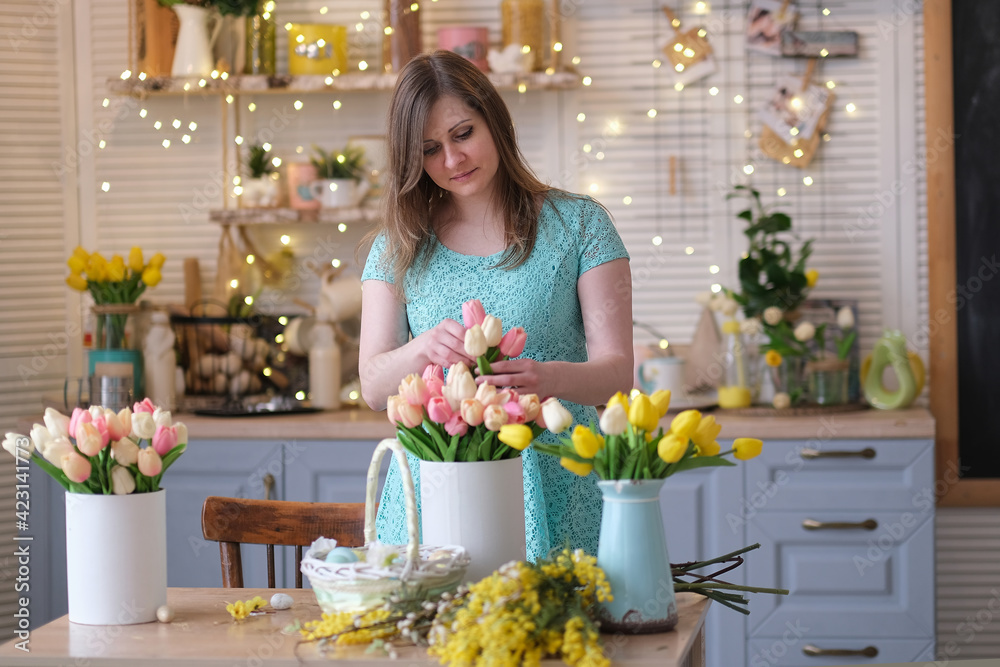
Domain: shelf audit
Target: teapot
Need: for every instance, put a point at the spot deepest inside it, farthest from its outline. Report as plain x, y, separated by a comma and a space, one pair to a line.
890, 350
339, 192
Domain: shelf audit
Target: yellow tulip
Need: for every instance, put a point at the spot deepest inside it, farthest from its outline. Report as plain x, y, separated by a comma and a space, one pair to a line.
711, 449
76, 265
77, 282
619, 398
661, 400
747, 448
517, 436
115, 272
707, 431
772, 358
671, 448
685, 424
135, 259
585, 442
812, 276
97, 272
643, 414
96, 263
80, 253
151, 276
157, 260
575, 467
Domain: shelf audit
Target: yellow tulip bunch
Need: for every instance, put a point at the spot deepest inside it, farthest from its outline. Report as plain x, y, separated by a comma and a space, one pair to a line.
116, 280
632, 445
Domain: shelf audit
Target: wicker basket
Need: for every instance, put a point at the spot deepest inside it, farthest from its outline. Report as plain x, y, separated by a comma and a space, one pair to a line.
362, 585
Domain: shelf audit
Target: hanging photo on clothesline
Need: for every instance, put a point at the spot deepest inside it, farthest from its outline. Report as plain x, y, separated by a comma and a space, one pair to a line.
689, 53
793, 110
766, 22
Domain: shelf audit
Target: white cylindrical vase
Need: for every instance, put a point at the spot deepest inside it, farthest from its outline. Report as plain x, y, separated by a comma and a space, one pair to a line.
116, 557
479, 506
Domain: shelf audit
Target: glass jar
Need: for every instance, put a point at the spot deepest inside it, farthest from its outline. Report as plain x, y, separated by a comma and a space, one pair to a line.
787, 378
735, 388
112, 319
524, 24
828, 381
261, 40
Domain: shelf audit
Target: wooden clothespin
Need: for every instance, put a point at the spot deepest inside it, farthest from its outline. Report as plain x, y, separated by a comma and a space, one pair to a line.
810, 71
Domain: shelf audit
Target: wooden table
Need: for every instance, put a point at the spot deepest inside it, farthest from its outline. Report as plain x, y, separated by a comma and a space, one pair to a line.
203, 633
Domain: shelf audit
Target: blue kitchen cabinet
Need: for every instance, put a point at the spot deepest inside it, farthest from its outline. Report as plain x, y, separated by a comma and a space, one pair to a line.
848, 527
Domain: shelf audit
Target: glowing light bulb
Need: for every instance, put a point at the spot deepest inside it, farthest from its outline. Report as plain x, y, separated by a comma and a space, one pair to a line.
234, 283
176, 123
663, 344
831, 85
298, 105
192, 126
522, 88
587, 148
142, 113
362, 65
266, 371
794, 131
593, 187
678, 86
285, 239
823, 53
276, 161
102, 143
599, 155
826, 11
657, 63
576, 60
580, 117
341, 227
337, 104
557, 46
651, 113
679, 67
689, 250
782, 192
186, 138
105, 103
714, 268
713, 91
248, 300
748, 169
166, 143
689, 53
105, 186
716, 287
239, 140
626, 200
587, 81
678, 47
798, 152
738, 99
250, 260
851, 108
657, 240
525, 49
251, 107
808, 181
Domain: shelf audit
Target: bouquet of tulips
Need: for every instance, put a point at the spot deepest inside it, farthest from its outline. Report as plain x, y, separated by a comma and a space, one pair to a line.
114, 280
631, 444
456, 420
100, 451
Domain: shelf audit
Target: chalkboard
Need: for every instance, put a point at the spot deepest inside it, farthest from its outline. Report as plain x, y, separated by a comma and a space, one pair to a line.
976, 40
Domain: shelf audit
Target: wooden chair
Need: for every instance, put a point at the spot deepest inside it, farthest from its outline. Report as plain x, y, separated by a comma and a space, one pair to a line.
235, 521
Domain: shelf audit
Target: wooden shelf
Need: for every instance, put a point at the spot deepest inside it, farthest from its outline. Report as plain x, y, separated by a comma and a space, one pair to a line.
314, 83
284, 216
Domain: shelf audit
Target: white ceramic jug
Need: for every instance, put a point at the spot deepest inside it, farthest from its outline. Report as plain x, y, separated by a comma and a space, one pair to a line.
193, 53
339, 192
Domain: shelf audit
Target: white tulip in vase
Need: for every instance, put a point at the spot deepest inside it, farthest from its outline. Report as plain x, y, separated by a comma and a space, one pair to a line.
116, 512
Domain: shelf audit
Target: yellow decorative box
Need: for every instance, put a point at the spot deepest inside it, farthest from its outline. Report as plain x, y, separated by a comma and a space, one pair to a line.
317, 48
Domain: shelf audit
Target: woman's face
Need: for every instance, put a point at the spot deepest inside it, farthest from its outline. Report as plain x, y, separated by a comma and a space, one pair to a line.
459, 153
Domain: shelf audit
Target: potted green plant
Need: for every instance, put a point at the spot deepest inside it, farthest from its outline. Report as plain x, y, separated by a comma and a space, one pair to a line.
341, 177
260, 189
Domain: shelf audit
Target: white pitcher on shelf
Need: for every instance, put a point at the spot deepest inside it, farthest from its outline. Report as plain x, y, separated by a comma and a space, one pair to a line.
193, 53
339, 192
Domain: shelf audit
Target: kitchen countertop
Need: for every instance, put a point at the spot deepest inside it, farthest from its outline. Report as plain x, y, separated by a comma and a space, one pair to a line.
364, 424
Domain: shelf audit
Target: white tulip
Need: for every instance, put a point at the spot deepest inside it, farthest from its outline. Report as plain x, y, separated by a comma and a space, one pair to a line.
492, 330
729, 307
125, 452
40, 436
703, 298
805, 332
845, 318
96, 411
161, 417
122, 482
460, 386
557, 418
475, 342
717, 302
143, 426
773, 315
751, 327
56, 422
614, 421
19, 446
182, 432
54, 450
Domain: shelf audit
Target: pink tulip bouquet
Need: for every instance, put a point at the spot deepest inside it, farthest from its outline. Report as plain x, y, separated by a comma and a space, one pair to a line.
100, 450
456, 420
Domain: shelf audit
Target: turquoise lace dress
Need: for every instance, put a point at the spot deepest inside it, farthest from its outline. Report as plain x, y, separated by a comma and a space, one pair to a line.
575, 235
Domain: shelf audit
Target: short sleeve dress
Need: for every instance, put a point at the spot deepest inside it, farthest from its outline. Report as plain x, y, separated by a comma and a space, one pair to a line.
575, 234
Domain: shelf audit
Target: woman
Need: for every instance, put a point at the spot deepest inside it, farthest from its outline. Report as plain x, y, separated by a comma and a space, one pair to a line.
466, 219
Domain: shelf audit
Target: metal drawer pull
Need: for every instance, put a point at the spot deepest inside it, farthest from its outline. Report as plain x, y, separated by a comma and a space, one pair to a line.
866, 453
867, 652
813, 524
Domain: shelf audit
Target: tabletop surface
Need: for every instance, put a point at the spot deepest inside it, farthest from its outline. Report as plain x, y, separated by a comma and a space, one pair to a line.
203, 633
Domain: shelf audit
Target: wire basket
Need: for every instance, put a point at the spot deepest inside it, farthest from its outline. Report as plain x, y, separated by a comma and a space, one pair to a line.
354, 587
224, 356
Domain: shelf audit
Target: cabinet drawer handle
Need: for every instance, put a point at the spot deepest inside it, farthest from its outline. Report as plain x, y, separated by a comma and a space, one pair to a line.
866, 453
813, 524
268, 486
867, 652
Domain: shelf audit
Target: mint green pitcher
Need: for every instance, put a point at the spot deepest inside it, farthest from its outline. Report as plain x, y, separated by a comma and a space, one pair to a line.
633, 554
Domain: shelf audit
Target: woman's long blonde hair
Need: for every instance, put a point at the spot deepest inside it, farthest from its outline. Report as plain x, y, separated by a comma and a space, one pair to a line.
410, 197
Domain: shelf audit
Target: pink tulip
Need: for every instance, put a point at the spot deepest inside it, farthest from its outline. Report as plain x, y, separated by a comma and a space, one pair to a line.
411, 415
455, 425
150, 464
473, 313
435, 387
125, 417
433, 371
494, 417
116, 430
164, 439
472, 412
101, 424
88, 440
438, 410
75, 467
413, 390
512, 343
503, 397
529, 403
145, 406
515, 414
392, 408
486, 394
79, 416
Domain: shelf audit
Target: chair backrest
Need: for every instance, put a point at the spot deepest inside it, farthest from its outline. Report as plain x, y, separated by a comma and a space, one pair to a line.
235, 521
